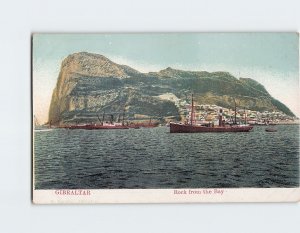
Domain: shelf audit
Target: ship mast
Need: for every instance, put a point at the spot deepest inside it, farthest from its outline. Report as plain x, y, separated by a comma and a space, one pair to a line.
123, 116
99, 119
192, 111
245, 116
111, 118
103, 116
234, 112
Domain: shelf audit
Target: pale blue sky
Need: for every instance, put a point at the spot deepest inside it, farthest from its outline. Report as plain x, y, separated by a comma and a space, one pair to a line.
269, 58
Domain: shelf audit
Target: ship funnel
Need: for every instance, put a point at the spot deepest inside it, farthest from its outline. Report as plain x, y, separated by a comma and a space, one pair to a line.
221, 117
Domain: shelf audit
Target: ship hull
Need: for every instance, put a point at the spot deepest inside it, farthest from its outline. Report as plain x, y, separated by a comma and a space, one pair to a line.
112, 126
97, 127
143, 125
180, 128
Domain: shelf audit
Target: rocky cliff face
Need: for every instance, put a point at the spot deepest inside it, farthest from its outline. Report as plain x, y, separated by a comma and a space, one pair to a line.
90, 84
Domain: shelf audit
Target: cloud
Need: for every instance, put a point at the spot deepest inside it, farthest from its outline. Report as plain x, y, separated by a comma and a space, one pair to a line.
141, 66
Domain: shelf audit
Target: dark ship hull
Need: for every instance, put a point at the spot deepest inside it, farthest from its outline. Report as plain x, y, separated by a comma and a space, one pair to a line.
181, 128
98, 127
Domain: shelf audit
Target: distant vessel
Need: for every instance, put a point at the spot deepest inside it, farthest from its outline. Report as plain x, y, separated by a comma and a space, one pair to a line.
192, 128
102, 125
98, 126
149, 124
271, 129
111, 124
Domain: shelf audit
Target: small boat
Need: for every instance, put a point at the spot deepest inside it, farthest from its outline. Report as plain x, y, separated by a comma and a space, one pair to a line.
133, 126
271, 129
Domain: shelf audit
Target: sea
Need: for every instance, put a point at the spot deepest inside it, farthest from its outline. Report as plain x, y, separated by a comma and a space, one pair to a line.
153, 158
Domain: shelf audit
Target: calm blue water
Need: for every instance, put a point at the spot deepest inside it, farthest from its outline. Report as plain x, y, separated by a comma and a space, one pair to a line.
154, 158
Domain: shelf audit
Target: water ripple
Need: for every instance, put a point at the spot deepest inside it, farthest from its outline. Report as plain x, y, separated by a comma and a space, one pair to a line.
154, 158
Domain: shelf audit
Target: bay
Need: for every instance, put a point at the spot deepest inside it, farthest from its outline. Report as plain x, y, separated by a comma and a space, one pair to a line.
153, 158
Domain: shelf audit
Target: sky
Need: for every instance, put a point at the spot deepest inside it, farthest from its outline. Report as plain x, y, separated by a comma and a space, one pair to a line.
269, 58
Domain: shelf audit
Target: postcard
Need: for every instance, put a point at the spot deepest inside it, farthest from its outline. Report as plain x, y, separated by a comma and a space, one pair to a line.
165, 118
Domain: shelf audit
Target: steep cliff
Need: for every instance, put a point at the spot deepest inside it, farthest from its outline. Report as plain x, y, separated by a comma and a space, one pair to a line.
90, 84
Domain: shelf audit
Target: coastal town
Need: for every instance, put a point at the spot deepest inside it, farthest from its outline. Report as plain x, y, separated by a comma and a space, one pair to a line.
209, 113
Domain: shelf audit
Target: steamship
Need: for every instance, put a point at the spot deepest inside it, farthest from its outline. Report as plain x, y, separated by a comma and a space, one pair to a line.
191, 127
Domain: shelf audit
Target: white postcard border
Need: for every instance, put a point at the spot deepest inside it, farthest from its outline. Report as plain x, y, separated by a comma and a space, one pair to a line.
188, 195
